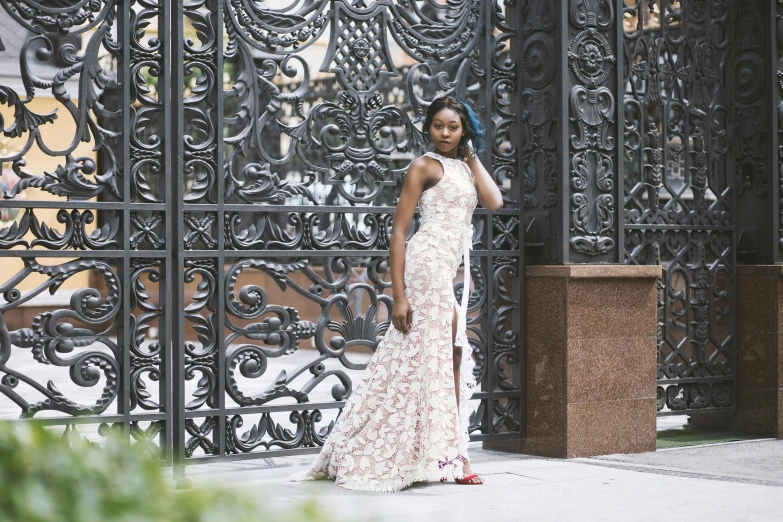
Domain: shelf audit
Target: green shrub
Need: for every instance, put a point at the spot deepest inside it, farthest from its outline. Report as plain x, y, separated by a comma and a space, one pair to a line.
46, 477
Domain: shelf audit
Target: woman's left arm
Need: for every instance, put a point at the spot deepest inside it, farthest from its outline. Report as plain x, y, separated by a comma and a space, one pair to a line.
488, 192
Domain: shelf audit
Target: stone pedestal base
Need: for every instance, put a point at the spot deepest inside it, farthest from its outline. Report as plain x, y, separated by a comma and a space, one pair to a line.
759, 355
591, 360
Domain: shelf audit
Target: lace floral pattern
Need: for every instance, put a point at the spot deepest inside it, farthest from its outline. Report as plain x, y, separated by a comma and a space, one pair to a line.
401, 424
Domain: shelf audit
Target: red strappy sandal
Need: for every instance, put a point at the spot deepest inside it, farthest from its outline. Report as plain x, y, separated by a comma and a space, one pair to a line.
468, 480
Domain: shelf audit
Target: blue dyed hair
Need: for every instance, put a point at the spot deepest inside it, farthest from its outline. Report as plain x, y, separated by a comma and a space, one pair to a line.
471, 124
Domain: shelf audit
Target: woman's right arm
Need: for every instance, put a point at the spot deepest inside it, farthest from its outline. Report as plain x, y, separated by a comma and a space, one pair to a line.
415, 181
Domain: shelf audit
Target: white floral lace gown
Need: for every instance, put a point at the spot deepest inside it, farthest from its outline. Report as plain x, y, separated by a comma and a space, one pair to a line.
401, 425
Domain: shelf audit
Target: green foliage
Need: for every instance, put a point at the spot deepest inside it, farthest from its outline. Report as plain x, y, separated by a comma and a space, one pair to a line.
46, 477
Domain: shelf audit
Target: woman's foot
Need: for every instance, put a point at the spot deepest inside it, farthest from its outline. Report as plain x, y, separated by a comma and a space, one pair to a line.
469, 476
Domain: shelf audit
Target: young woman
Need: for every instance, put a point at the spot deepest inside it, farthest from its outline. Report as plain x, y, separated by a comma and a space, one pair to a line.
407, 420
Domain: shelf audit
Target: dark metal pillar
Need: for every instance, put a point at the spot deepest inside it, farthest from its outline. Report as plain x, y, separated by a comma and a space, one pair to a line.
774, 77
591, 133
540, 143
176, 290
572, 131
755, 125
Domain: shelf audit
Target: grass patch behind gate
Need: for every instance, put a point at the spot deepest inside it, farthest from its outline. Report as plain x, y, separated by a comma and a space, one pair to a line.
681, 438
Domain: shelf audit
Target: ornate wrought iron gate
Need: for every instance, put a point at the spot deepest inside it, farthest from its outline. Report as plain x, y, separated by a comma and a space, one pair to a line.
231, 205
694, 105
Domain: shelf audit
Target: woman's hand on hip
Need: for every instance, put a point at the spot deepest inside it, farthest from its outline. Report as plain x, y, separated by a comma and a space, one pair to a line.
402, 315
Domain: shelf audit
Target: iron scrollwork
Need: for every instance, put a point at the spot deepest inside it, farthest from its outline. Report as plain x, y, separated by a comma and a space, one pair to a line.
81, 309
592, 147
679, 190
68, 179
54, 334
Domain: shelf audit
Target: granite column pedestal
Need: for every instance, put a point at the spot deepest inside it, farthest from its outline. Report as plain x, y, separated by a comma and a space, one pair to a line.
591, 360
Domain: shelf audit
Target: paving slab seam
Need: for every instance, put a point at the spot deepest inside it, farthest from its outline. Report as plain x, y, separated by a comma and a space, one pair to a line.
715, 444
660, 470
527, 477
506, 456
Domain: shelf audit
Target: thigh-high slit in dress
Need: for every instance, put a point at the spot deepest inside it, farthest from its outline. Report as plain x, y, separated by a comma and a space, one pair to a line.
401, 424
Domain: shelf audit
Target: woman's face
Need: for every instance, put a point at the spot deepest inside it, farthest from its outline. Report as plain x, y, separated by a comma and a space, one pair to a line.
446, 130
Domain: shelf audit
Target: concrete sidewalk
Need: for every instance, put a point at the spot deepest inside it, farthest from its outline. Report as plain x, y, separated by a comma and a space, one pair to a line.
752, 462
518, 487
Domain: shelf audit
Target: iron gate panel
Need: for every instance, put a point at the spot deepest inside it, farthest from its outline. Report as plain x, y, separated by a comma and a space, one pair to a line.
680, 103
85, 240
231, 181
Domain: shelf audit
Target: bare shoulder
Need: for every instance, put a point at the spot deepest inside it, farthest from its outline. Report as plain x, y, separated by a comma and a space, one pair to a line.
423, 163
423, 169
